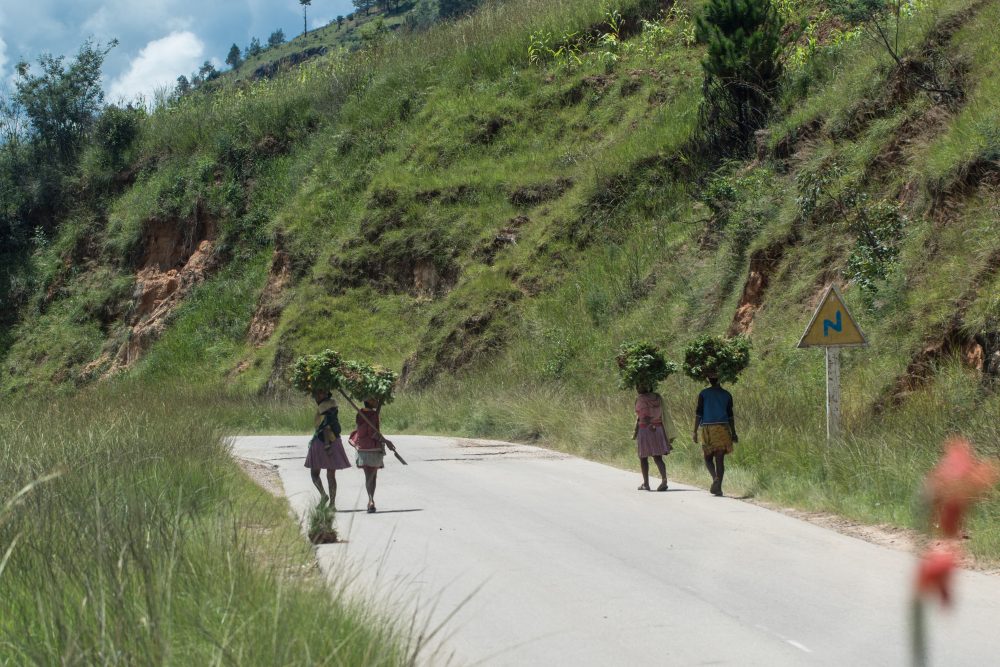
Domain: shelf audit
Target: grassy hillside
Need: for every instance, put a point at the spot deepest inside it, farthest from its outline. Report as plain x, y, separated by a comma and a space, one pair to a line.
347, 35
494, 205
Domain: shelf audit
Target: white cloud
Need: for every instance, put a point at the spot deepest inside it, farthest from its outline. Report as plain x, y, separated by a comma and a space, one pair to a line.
119, 18
158, 65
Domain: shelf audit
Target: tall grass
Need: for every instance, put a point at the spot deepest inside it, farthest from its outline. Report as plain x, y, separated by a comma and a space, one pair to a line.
129, 537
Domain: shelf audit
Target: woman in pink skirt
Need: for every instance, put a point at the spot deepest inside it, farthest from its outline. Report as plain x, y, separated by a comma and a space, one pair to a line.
368, 440
654, 434
326, 450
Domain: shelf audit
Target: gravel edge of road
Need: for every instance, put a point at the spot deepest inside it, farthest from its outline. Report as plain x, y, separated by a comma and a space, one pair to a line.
263, 474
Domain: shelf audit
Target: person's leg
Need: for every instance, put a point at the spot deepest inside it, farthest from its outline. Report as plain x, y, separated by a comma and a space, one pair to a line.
370, 487
644, 467
710, 464
318, 483
713, 470
720, 467
658, 460
331, 480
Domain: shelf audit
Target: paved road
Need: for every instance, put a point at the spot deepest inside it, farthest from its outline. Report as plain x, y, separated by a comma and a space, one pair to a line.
553, 560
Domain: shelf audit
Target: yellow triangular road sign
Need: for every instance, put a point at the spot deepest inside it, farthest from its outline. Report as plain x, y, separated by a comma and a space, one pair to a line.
832, 324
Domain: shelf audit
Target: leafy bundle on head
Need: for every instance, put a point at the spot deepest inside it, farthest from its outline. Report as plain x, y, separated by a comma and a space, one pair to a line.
319, 372
717, 356
364, 380
642, 366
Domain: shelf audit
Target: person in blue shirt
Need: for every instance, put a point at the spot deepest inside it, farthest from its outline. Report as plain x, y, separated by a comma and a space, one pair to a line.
715, 421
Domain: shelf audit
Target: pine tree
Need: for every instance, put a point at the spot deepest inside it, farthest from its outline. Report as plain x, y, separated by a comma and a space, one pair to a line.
742, 66
234, 59
207, 72
254, 48
277, 38
365, 5
305, 22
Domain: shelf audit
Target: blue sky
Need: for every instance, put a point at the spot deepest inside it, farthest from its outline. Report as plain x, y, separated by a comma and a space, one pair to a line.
159, 39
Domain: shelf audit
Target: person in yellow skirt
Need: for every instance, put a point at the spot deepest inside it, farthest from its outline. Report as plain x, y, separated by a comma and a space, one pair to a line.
715, 422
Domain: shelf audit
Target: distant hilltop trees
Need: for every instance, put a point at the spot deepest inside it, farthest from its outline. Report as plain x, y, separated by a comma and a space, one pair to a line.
423, 14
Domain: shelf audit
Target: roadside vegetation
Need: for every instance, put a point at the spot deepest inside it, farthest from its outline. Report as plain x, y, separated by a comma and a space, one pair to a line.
493, 204
130, 538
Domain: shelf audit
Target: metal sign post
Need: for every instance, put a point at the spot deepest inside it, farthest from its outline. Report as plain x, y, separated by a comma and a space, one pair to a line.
833, 328
832, 393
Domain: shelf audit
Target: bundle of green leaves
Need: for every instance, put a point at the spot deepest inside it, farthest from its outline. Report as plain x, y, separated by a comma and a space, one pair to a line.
642, 366
717, 356
364, 380
319, 372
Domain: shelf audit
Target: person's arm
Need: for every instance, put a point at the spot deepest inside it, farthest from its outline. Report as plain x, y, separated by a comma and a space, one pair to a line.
699, 412
320, 432
635, 429
732, 419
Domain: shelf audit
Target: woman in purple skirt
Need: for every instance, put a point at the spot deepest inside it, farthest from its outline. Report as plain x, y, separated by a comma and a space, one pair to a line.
326, 450
654, 434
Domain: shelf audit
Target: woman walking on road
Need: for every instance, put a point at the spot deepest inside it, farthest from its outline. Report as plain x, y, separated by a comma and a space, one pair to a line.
326, 449
654, 434
715, 419
368, 440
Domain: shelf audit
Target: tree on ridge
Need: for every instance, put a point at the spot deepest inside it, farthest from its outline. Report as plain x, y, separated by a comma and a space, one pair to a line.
305, 21
234, 59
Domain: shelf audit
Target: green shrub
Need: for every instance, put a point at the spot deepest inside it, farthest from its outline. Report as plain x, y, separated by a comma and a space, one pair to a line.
321, 528
116, 131
717, 356
742, 66
878, 229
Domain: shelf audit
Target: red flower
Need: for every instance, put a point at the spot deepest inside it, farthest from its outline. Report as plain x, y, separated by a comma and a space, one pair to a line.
958, 480
934, 572
950, 514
